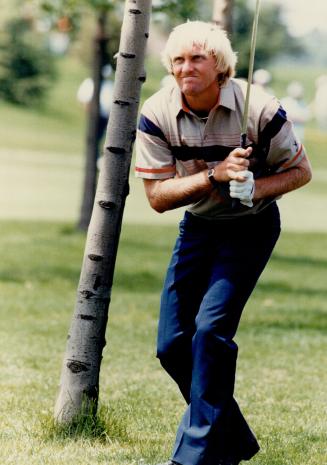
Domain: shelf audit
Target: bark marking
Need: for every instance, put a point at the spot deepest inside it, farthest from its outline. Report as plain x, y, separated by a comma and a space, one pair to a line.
86, 317
118, 150
122, 103
95, 258
87, 294
127, 55
97, 283
77, 367
107, 204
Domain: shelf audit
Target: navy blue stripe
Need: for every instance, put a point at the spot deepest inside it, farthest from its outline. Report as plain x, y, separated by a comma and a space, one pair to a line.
219, 153
146, 125
272, 129
210, 153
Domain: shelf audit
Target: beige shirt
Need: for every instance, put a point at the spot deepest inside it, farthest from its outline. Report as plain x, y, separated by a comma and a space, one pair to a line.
171, 140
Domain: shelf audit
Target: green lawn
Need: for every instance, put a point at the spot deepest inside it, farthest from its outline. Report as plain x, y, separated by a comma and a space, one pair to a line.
58, 126
281, 382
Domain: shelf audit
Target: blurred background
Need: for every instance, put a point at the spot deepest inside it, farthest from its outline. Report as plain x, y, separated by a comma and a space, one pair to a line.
52, 53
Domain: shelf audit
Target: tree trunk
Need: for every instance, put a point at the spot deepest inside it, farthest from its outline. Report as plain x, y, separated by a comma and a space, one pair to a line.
93, 121
222, 14
79, 386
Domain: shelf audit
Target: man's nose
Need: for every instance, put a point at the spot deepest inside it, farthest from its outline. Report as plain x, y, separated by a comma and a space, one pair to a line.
187, 66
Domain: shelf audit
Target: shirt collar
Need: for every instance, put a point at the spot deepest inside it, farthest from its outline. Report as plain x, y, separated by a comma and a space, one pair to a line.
177, 100
227, 96
226, 99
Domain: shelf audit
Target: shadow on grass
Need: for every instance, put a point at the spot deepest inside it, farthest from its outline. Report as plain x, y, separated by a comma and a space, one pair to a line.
43, 274
279, 287
316, 321
300, 260
138, 281
133, 281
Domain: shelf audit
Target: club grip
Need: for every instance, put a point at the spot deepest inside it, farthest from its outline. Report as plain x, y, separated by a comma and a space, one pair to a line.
236, 202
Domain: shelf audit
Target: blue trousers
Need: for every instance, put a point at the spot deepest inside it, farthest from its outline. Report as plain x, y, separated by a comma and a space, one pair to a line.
213, 271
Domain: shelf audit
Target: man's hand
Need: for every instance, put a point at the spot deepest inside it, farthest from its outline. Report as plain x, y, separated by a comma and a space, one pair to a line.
233, 166
243, 190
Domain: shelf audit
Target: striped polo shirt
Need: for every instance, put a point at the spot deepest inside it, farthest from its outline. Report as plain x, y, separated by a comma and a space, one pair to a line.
172, 140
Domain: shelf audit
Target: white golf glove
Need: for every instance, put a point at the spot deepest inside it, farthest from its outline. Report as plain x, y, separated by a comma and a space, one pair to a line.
244, 190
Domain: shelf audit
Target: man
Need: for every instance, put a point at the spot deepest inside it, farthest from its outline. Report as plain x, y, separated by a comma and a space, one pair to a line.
188, 154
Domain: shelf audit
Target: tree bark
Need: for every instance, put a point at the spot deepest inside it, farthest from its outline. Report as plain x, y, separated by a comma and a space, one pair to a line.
222, 14
93, 121
79, 385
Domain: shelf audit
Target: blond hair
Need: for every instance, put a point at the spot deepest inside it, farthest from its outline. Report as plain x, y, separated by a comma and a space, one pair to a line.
208, 36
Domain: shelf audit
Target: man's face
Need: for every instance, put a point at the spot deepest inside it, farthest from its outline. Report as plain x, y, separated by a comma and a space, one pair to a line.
195, 71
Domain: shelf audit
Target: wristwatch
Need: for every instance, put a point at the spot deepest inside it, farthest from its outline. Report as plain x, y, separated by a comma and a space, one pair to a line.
212, 179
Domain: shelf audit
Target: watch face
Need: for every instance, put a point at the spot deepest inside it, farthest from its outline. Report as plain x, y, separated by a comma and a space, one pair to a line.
211, 177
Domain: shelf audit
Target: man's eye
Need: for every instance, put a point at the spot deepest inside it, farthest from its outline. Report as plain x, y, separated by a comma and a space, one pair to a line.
177, 61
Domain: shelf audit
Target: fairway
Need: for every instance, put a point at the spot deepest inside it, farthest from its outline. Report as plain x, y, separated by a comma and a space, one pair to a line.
281, 380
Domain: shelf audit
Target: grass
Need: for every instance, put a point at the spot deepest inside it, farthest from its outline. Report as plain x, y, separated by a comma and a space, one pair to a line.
57, 126
286, 72
282, 338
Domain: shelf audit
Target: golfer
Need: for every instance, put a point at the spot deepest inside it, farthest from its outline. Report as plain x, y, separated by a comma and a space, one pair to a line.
188, 155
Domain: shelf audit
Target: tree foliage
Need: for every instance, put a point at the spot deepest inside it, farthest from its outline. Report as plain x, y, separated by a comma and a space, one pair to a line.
273, 37
26, 65
177, 10
100, 49
77, 10
172, 12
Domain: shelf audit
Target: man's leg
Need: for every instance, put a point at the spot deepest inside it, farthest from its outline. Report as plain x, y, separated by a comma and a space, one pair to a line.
185, 284
213, 428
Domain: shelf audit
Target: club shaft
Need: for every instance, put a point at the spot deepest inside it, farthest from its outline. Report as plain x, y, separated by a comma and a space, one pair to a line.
250, 74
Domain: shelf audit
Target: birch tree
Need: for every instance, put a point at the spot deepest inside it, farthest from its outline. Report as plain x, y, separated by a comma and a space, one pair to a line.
222, 14
79, 384
93, 122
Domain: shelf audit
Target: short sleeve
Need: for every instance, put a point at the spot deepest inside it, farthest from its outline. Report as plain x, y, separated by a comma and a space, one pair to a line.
154, 159
284, 149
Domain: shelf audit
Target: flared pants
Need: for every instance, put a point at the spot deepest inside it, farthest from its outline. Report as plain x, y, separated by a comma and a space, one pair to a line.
213, 271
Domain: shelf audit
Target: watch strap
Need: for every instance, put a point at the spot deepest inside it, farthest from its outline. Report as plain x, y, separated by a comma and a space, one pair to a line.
211, 177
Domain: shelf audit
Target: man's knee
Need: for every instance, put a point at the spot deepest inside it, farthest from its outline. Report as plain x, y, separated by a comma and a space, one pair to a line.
214, 334
173, 349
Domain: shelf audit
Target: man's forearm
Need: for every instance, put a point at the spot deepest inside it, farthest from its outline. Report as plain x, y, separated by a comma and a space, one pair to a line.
168, 194
281, 183
177, 192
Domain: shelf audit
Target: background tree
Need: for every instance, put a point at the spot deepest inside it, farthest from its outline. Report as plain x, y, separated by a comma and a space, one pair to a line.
169, 13
79, 385
27, 67
236, 16
103, 48
222, 14
100, 41
273, 38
